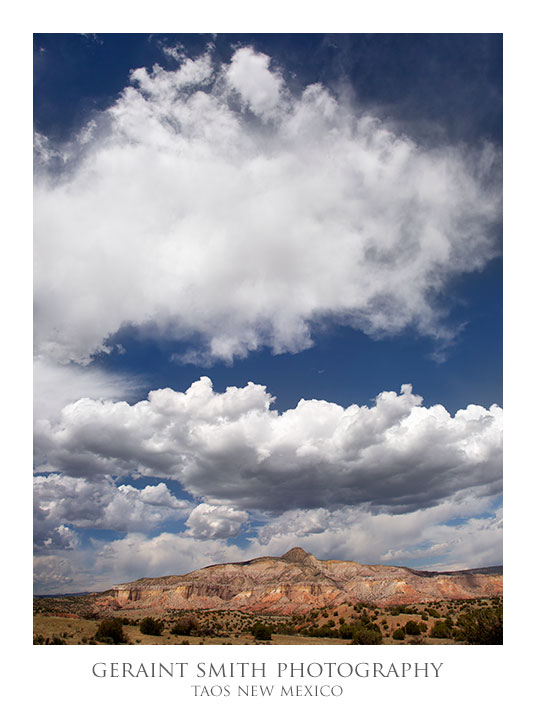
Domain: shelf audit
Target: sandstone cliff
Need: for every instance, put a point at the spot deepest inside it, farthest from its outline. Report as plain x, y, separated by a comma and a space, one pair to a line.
296, 583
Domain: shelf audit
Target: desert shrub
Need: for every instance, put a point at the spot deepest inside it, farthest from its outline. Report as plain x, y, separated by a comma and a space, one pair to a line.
433, 613
412, 628
323, 631
261, 632
367, 635
440, 631
399, 634
345, 631
416, 640
57, 640
423, 626
185, 626
110, 631
482, 626
149, 625
38, 639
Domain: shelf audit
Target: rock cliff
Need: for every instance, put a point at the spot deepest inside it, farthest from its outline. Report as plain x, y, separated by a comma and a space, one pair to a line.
296, 583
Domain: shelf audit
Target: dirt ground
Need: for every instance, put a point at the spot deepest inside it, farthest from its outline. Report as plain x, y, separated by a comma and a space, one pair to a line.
81, 631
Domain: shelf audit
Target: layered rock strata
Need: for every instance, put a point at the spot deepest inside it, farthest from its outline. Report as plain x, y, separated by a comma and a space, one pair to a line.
298, 582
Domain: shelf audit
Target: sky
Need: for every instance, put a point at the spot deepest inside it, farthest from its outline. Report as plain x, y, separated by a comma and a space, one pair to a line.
268, 302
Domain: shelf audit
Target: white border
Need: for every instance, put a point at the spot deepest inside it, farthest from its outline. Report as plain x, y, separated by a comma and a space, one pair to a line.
483, 675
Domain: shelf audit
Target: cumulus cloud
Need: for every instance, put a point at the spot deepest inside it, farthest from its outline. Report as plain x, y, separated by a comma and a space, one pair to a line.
55, 386
212, 203
259, 88
423, 538
459, 533
232, 449
209, 521
138, 555
53, 574
98, 504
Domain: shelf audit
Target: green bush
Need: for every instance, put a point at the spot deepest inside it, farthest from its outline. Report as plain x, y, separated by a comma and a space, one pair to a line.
57, 640
149, 625
261, 632
412, 628
110, 631
185, 626
346, 631
367, 635
440, 630
482, 626
399, 634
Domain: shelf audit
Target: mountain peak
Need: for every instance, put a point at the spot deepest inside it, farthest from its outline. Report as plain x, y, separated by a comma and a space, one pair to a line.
295, 555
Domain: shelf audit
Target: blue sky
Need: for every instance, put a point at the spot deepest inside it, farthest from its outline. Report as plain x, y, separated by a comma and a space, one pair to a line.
317, 215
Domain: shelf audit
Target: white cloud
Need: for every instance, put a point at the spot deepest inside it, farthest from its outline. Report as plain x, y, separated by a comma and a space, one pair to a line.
242, 227
209, 521
53, 574
459, 533
407, 539
98, 504
55, 386
230, 448
166, 554
259, 88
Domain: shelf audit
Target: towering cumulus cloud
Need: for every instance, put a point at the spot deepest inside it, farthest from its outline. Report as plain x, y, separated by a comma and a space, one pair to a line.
231, 448
206, 202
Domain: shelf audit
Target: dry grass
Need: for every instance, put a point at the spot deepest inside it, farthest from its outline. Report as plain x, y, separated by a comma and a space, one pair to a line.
75, 631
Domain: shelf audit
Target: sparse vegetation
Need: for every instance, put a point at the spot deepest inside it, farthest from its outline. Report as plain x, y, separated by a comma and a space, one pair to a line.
412, 628
149, 625
185, 625
261, 632
110, 631
367, 635
440, 630
457, 621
